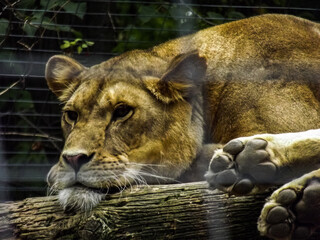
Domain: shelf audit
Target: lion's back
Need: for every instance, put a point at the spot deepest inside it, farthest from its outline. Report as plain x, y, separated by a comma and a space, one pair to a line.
269, 36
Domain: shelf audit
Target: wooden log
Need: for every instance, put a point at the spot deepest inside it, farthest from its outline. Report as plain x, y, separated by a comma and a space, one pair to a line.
177, 211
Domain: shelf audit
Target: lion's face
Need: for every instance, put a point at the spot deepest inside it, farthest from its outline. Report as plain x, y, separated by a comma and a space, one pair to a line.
122, 127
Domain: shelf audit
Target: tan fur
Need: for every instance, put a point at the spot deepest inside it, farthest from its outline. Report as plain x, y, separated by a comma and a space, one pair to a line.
258, 75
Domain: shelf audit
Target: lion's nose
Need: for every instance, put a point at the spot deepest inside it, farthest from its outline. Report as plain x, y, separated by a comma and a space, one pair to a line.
77, 160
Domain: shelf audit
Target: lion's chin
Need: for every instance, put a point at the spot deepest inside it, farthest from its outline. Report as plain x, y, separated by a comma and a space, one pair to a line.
79, 198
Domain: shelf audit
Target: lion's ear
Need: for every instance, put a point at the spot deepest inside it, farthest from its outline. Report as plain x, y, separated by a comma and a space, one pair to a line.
184, 74
61, 73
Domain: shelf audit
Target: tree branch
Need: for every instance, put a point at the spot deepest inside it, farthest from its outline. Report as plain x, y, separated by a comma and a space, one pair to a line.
10, 87
177, 211
189, 211
31, 135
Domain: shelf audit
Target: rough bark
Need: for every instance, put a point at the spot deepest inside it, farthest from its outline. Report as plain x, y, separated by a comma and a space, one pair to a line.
179, 211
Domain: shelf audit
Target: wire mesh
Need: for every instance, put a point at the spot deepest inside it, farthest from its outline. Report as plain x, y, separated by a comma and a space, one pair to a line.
90, 31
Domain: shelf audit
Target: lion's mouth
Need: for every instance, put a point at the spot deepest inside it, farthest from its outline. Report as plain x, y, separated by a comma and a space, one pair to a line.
109, 190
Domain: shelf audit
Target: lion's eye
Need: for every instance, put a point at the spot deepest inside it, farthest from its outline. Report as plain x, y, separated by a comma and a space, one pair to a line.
122, 111
72, 116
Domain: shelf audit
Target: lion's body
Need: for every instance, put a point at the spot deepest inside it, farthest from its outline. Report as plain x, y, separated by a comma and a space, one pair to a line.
258, 75
277, 56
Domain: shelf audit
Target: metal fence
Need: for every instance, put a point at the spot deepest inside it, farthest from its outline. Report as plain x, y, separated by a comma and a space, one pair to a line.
90, 31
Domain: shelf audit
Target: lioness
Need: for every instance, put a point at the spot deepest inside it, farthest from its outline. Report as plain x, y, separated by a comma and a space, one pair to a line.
150, 116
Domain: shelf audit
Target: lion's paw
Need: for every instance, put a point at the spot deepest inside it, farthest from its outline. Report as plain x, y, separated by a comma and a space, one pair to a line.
293, 211
242, 167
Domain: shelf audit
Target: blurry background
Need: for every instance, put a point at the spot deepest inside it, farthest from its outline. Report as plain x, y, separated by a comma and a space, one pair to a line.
90, 31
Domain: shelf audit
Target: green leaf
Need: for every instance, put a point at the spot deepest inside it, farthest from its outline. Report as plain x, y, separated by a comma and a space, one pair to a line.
79, 49
44, 22
78, 9
50, 4
28, 4
21, 106
146, 13
29, 29
65, 45
47, 24
37, 17
177, 11
89, 43
84, 45
4, 24
28, 157
63, 28
76, 33
77, 40
26, 105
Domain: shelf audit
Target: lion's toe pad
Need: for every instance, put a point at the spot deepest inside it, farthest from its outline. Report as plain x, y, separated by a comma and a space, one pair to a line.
293, 212
241, 167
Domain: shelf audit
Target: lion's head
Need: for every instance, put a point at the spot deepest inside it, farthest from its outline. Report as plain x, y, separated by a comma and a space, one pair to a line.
131, 120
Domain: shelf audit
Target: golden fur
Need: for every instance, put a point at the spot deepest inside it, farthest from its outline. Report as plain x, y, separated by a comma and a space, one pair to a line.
145, 115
